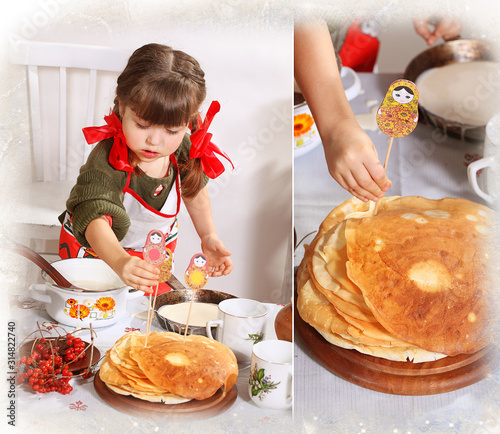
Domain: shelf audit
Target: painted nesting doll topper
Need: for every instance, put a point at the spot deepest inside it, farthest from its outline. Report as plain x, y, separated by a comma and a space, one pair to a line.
397, 116
197, 272
166, 267
154, 249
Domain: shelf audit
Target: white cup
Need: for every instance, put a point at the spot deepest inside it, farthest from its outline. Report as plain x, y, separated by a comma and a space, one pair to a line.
351, 81
240, 325
484, 173
271, 371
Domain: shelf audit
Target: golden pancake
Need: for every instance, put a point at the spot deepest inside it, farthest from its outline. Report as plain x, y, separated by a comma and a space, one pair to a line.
165, 398
422, 268
168, 370
119, 356
329, 319
331, 249
371, 333
195, 368
119, 376
143, 385
315, 309
413, 354
110, 374
119, 352
328, 252
407, 283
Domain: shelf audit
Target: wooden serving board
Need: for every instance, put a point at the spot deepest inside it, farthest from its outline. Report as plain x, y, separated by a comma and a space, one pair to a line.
217, 404
397, 378
91, 356
283, 323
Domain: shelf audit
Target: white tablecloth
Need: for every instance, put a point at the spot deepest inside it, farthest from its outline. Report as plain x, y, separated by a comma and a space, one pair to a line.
427, 164
83, 411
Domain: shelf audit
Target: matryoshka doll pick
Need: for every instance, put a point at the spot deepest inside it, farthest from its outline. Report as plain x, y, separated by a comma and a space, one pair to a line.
154, 249
196, 277
156, 253
166, 267
397, 116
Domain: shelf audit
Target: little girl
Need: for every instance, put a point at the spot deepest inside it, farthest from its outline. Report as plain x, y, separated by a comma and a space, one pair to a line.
144, 163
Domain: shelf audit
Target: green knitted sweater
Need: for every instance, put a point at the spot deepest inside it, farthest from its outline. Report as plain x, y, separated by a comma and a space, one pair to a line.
99, 190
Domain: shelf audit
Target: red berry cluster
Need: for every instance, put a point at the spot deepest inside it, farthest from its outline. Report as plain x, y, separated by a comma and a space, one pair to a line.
46, 369
75, 350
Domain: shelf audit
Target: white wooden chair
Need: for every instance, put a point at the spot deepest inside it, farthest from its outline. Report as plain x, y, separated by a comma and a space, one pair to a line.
69, 87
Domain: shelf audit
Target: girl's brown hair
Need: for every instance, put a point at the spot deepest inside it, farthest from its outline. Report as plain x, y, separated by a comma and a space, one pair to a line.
165, 87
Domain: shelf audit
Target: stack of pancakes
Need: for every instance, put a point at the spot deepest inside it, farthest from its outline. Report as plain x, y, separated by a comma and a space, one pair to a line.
408, 282
169, 369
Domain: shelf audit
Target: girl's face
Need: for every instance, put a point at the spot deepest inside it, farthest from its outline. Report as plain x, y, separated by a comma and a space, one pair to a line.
402, 96
147, 141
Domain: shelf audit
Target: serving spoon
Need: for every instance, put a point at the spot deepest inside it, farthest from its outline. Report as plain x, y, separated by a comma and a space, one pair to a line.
45, 265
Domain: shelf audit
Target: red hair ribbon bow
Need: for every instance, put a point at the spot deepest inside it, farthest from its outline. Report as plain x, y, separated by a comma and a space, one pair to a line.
118, 156
204, 149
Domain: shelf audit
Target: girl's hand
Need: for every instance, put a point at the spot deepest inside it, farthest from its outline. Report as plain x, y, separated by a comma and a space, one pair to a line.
217, 254
353, 161
137, 273
133, 271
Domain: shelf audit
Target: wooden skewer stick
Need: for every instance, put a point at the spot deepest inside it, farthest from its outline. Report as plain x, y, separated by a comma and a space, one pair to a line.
154, 253
385, 168
147, 321
150, 314
153, 305
187, 320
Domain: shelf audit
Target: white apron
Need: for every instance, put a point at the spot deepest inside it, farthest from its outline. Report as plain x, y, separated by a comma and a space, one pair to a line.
144, 219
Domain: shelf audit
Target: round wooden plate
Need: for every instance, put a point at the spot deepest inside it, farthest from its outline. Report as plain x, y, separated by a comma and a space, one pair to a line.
26, 348
217, 404
397, 378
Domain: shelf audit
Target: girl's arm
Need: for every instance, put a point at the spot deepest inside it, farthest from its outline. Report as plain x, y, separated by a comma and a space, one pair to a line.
350, 154
200, 211
132, 270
